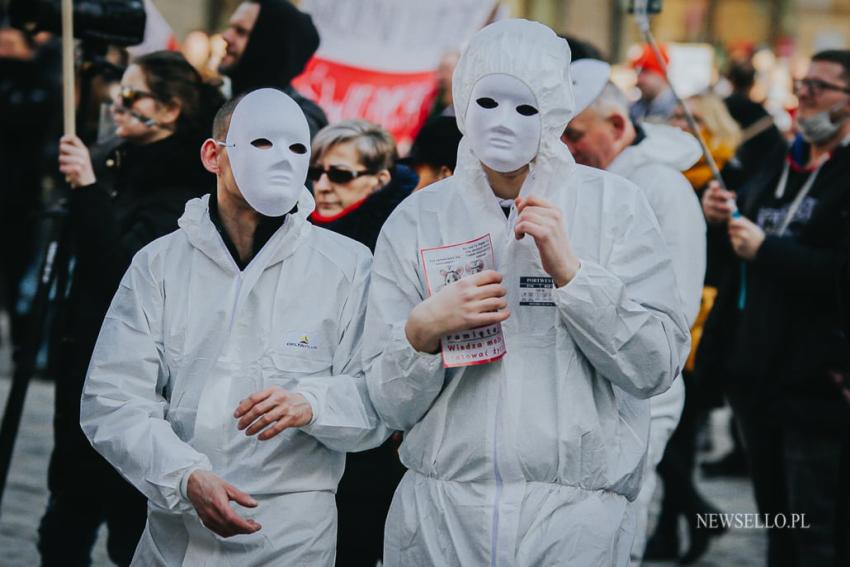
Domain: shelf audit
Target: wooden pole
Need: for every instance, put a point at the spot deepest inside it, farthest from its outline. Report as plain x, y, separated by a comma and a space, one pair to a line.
68, 90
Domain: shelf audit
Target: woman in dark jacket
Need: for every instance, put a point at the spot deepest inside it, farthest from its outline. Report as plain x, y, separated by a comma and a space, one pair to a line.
356, 181
357, 185
163, 111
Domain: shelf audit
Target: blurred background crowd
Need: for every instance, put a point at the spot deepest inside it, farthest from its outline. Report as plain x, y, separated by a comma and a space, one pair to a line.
374, 80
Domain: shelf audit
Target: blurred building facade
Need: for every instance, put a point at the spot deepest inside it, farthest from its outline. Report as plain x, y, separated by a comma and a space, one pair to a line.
802, 26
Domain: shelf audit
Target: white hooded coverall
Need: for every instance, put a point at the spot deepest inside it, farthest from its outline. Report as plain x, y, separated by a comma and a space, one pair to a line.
531, 460
189, 335
655, 165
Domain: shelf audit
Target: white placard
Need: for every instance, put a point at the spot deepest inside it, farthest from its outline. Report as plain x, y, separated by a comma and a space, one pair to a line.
445, 265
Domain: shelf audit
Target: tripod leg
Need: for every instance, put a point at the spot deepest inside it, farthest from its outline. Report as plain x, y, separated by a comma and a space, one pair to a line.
54, 259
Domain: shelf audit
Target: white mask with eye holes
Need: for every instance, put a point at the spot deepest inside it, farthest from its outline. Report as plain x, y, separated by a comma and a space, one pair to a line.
268, 144
503, 122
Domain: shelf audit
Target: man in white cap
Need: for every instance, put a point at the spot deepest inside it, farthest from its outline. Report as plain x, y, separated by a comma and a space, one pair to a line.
651, 156
530, 459
245, 321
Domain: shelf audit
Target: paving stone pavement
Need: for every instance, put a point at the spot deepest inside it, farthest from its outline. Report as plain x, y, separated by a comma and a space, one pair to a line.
26, 496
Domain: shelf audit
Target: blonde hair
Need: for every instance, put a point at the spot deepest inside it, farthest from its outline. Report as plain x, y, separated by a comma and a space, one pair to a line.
374, 144
715, 117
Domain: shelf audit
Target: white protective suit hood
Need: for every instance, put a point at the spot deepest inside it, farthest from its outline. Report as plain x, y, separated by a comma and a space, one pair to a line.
527, 51
667, 145
554, 434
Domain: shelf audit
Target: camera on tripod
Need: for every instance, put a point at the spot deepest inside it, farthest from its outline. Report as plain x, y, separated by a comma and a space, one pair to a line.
116, 22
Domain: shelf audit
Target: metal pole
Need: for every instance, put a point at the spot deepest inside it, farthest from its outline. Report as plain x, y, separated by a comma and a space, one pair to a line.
642, 17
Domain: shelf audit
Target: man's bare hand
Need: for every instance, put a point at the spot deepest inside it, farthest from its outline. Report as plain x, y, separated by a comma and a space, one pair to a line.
211, 496
746, 236
718, 204
471, 302
543, 221
75, 161
271, 411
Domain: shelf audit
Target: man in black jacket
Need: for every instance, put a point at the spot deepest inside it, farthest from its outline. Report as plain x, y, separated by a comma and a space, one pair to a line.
775, 331
268, 44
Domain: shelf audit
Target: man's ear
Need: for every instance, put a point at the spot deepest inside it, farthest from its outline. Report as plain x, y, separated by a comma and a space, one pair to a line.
445, 171
209, 155
618, 121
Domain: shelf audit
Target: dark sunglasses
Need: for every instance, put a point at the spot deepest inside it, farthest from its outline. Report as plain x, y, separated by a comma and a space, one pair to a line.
336, 174
129, 96
816, 86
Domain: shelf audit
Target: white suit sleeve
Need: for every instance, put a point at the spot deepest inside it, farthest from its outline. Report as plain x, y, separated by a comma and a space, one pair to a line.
626, 316
123, 408
683, 227
343, 416
403, 382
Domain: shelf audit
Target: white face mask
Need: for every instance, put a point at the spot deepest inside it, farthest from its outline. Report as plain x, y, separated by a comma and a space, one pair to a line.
821, 127
268, 144
503, 122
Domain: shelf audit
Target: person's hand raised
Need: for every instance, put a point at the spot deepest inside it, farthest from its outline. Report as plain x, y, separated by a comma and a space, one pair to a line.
544, 222
717, 203
746, 236
75, 162
471, 302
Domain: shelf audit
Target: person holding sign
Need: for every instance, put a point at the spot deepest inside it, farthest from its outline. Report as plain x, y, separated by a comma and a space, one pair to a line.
525, 452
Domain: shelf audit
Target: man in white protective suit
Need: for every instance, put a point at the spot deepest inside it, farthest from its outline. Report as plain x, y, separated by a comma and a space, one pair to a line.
247, 320
652, 157
532, 459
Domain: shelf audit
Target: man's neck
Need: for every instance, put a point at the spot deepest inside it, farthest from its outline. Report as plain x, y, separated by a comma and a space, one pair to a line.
239, 221
819, 152
506, 185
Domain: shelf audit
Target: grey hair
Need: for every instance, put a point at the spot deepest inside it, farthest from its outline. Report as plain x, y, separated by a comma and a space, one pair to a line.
375, 146
611, 100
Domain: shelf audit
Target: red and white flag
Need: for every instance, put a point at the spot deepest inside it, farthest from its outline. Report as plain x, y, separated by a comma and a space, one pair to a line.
377, 58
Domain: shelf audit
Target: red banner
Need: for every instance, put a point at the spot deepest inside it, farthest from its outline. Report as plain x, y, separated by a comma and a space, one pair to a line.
398, 101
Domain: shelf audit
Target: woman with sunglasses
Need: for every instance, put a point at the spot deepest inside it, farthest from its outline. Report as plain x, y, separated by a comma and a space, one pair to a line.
118, 204
357, 184
356, 181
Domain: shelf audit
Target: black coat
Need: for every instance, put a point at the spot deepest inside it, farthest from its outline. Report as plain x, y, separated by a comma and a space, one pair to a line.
364, 222
370, 479
136, 200
282, 42
789, 334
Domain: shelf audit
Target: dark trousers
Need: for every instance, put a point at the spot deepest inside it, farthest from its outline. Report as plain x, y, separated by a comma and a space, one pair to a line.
73, 517
842, 524
676, 469
85, 492
794, 470
363, 500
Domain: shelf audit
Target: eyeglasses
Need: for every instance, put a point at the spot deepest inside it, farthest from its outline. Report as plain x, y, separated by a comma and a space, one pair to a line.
336, 174
817, 87
129, 96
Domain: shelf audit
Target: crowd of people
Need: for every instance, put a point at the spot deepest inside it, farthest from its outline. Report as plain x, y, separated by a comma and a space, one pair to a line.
250, 353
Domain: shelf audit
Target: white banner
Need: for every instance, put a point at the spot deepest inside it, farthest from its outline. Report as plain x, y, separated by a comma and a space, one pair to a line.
396, 36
